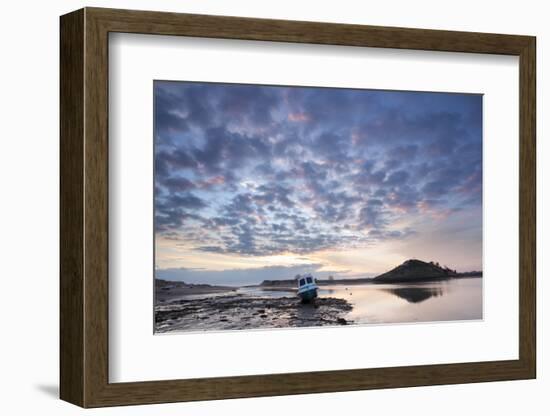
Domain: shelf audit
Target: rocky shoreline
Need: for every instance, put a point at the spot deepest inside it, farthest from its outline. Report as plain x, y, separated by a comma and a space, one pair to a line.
237, 311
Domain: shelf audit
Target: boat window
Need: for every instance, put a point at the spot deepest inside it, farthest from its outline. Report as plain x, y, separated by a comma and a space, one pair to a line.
309, 280
302, 282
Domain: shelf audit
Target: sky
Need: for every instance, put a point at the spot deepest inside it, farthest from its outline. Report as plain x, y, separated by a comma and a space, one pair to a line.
260, 182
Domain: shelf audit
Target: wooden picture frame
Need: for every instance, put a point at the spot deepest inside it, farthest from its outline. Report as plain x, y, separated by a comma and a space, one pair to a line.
84, 207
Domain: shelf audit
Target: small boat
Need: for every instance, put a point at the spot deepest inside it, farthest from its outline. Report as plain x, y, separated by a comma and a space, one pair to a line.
307, 288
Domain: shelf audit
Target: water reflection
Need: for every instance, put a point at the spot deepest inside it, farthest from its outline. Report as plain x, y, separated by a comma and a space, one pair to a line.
416, 294
457, 299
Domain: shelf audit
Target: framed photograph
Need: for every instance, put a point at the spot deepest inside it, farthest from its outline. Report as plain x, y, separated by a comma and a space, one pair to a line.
255, 207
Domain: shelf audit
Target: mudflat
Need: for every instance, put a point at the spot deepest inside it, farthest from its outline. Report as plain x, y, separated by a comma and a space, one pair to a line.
237, 311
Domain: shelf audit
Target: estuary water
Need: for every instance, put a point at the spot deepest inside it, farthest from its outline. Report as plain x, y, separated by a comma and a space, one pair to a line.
447, 300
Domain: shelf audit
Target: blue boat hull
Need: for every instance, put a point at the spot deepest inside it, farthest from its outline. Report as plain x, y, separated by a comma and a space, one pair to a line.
308, 295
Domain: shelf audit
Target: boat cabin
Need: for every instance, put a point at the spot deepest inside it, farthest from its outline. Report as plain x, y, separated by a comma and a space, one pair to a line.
305, 280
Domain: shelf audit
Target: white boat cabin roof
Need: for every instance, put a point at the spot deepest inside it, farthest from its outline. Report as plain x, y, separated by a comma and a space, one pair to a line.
305, 279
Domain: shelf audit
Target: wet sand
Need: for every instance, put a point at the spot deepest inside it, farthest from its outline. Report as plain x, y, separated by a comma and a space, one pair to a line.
248, 312
166, 291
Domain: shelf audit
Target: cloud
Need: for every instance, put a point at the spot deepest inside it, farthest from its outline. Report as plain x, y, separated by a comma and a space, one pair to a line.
298, 117
259, 170
178, 184
397, 178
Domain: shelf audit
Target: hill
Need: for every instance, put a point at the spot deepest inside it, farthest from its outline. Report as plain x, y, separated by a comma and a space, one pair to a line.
416, 270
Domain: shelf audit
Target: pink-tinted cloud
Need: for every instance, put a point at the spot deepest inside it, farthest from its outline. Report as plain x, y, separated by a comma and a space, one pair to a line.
298, 117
